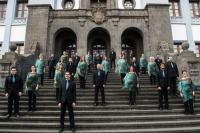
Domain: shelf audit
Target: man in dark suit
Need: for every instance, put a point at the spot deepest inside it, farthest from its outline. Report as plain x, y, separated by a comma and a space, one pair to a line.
112, 58
76, 60
173, 73
70, 67
163, 87
67, 99
158, 61
13, 90
99, 84
51, 65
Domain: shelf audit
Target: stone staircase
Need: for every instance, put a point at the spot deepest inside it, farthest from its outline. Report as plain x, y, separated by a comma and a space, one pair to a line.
116, 117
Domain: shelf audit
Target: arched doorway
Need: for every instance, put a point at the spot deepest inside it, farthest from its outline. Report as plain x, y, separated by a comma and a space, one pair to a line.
65, 40
132, 43
99, 41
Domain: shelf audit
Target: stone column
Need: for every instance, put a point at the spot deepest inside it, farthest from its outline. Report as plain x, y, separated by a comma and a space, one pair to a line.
159, 27
185, 12
81, 42
37, 27
10, 14
116, 41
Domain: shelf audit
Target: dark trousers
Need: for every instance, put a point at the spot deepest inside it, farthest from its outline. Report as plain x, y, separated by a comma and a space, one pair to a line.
106, 77
153, 79
132, 97
144, 70
31, 100
163, 93
51, 72
188, 105
57, 93
122, 77
82, 82
13, 98
173, 88
112, 63
101, 88
40, 79
67, 105
89, 67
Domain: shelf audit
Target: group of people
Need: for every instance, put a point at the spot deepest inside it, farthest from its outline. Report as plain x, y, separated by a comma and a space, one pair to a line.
67, 68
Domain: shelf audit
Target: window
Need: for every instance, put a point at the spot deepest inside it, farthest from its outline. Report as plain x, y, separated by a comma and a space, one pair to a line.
3, 7
98, 3
22, 10
129, 4
178, 47
194, 8
198, 49
20, 48
174, 9
68, 4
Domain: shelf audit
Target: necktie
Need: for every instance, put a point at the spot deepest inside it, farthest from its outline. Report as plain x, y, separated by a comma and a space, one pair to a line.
172, 65
67, 85
13, 79
163, 74
98, 73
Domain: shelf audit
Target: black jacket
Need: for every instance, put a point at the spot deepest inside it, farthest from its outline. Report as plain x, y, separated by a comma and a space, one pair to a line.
68, 95
51, 62
70, 67
112, 55
158, 62
99, 80
76, 60
163, 81
15, 87
136, 65
172, 71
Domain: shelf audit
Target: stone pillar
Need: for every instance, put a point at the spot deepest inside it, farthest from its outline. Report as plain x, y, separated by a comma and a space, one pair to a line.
10, 14
37, 27
81, 42
159, 27
85, 4
187, 60
185, 12
116, 41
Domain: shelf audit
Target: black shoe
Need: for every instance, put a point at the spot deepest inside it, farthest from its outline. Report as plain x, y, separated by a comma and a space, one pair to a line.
29, 110
73, 130
7, 116
103, 103
34, 109
61, 130
160, 108
95, 104
17, 115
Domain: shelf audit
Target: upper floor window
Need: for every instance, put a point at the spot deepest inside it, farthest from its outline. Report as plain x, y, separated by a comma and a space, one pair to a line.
129, 4
98, 3
198, 49
22, 10
178, 47
174, 8
3, 7
194, 8
68, 4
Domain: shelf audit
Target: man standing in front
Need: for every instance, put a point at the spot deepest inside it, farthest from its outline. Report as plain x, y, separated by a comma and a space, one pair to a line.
67, 99
13, 90
99, 84
112, 58
172, 71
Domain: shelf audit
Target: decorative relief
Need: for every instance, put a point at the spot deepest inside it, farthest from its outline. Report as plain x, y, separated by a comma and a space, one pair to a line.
98, 15
196, 20
177, 20
20, 21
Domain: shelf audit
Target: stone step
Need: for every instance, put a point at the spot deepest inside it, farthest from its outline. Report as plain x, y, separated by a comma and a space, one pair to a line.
86, 119
104, 125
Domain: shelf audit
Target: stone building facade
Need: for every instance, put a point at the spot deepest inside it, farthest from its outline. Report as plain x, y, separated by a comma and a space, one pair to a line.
98, 28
